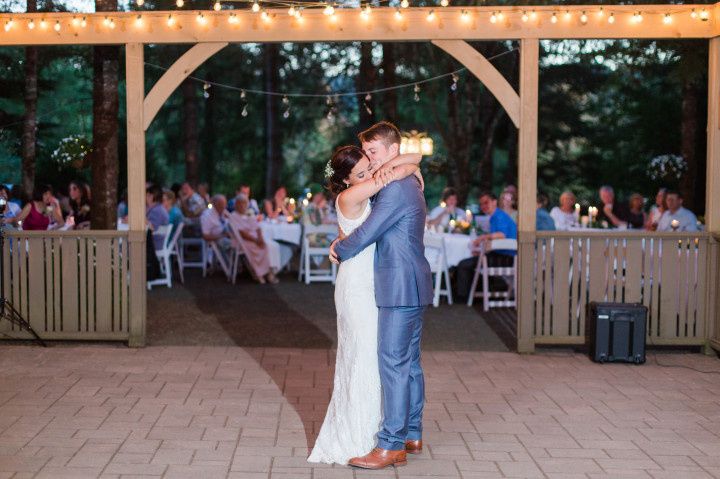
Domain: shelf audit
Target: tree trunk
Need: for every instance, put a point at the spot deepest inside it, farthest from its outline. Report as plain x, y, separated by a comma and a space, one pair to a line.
488, 146
29, 132
364, 82
390, 99
273, 149
104, 156
688, 141
190, 132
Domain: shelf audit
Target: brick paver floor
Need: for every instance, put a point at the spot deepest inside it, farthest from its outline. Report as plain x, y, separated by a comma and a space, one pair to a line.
206, 412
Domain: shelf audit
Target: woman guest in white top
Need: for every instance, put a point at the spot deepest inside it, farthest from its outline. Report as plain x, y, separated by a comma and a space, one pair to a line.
564, 215
657, 210
253, 243
447, 210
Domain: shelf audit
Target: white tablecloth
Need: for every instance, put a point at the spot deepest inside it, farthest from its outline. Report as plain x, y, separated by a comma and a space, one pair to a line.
279, 235
457, 248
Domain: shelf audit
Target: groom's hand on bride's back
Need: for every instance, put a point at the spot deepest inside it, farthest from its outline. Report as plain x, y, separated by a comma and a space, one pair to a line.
333, 256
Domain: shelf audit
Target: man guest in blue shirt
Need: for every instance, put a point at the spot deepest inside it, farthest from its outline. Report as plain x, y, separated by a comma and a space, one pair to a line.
501, 226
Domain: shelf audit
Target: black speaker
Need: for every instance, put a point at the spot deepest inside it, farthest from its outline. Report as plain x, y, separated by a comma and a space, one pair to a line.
616, 332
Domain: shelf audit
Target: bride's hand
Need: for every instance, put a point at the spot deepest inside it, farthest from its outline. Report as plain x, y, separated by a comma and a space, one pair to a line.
384, 175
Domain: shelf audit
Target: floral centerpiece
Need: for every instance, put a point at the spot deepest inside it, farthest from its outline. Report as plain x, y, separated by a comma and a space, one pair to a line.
72, 152
460, 226
667, 168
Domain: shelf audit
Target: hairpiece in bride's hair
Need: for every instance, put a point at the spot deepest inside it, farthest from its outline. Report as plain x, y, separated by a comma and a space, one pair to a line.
329, 170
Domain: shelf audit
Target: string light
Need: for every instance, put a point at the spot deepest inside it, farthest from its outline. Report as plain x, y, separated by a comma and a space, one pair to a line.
43, 24
455, 79
329, 10
553, 19
430, 16
465, 16
404, 4
568, 15
416, 89
8, 25
524, 17
83, 22
217, 7
106, 21
500, 15
138, 21
583, 17
601, 12
31, 25
170, 20
493, 18
201, 18
637, 17
140, 3
57, 26
533, 15
244, 111
255, 6
398, 14
368, 98
365, 13
693, 14
667, 19
206, 92
299, 15
292, 11
611, 18
179, 3
233, 19
444, 3
265, 16
286, 104
75, 21
704, 15
112, 24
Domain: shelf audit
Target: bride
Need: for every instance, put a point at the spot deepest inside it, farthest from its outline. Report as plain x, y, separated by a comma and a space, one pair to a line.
354, 414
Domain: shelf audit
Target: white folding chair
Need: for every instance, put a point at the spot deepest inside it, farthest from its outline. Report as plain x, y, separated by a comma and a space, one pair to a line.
163, 257
435, 250
495, 299
212, 254
186, 242
177, 251
237, 254
309, 252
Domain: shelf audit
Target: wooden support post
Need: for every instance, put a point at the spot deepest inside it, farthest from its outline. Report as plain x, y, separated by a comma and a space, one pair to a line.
527, 191
712, 194
135, 93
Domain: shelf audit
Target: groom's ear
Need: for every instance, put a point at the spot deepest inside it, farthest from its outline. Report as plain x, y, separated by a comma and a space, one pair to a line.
394, 150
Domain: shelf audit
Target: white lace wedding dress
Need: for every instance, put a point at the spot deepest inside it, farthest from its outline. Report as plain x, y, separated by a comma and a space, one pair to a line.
353, 416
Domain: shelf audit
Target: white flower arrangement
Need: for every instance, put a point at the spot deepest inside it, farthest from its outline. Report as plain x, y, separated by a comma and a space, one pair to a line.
72, 151
329, 170
667, 167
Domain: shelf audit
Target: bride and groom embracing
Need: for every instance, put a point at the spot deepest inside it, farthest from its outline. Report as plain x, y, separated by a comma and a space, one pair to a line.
383, 286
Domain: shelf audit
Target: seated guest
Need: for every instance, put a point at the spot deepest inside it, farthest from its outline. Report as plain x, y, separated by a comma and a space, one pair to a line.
12, 209
543, 220
155, 215
318, 211
80, 204
256, 250
122, 207
192, 206
42, 212
636, 216
501, 226
446, 210
564, 215
508, 203
175, 216
613, 212
277, 206
213, 223
657, 210
203, 190
685, 219
253, 208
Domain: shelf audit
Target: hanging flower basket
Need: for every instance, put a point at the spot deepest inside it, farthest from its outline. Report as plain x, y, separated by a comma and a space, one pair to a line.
72, 152
667, 168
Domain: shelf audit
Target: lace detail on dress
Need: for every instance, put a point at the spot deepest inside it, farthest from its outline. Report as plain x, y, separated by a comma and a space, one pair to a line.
353, 416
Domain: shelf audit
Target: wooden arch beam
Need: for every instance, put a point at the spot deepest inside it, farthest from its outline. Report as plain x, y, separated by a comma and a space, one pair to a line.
479, 66
174, 76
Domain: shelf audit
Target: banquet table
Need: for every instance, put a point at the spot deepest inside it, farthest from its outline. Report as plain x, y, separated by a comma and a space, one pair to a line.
457, 248
285, 236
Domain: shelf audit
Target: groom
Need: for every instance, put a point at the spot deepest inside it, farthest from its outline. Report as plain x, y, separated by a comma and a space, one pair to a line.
403, 288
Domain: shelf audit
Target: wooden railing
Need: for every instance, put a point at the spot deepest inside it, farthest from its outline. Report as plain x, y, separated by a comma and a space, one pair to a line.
667, 272
68, 285
713, 293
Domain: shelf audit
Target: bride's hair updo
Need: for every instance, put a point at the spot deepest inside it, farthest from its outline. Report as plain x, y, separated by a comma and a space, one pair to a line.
340, 165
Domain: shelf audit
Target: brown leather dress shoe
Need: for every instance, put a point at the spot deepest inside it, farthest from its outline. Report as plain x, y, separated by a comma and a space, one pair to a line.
380, 458
413, 447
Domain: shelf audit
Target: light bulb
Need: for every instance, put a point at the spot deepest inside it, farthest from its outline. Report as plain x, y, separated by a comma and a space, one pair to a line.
533, 15
57, 26
667, 19
638, 17
299, 16
493, 18
112, 24
329, 10
398, 14
31, 25
465, 16
170, 21
404, 4
365, 13
553, 19
179, 3
8, 26
444, 3
568, 15
524, 17
140, 3
217, 7
256, 6
83, 22
583, 18
704, 15
611, 18
601, 13
138, 21
201, 19
291, 11
265, 15
106, 21
500, 16
75, 21
693, 14
431, 16
43, 24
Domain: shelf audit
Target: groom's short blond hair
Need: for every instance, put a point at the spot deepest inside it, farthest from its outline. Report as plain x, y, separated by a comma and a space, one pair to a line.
383, 131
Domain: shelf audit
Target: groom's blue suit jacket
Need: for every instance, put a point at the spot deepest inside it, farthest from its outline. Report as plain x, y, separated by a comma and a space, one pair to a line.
397, 225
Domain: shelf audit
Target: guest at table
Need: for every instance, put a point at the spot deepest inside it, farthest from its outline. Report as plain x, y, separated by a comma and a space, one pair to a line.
253, 208
42, 212
501, 226
253, 244
203, 190
564, 214
80, 205
277, 206
318, 211
175, 216
192, 206
213, 222
543, 220
685, 220
155, 214
657, 210
447, 209
508, 203
636, 217
613, 212
11, 209
122, 207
